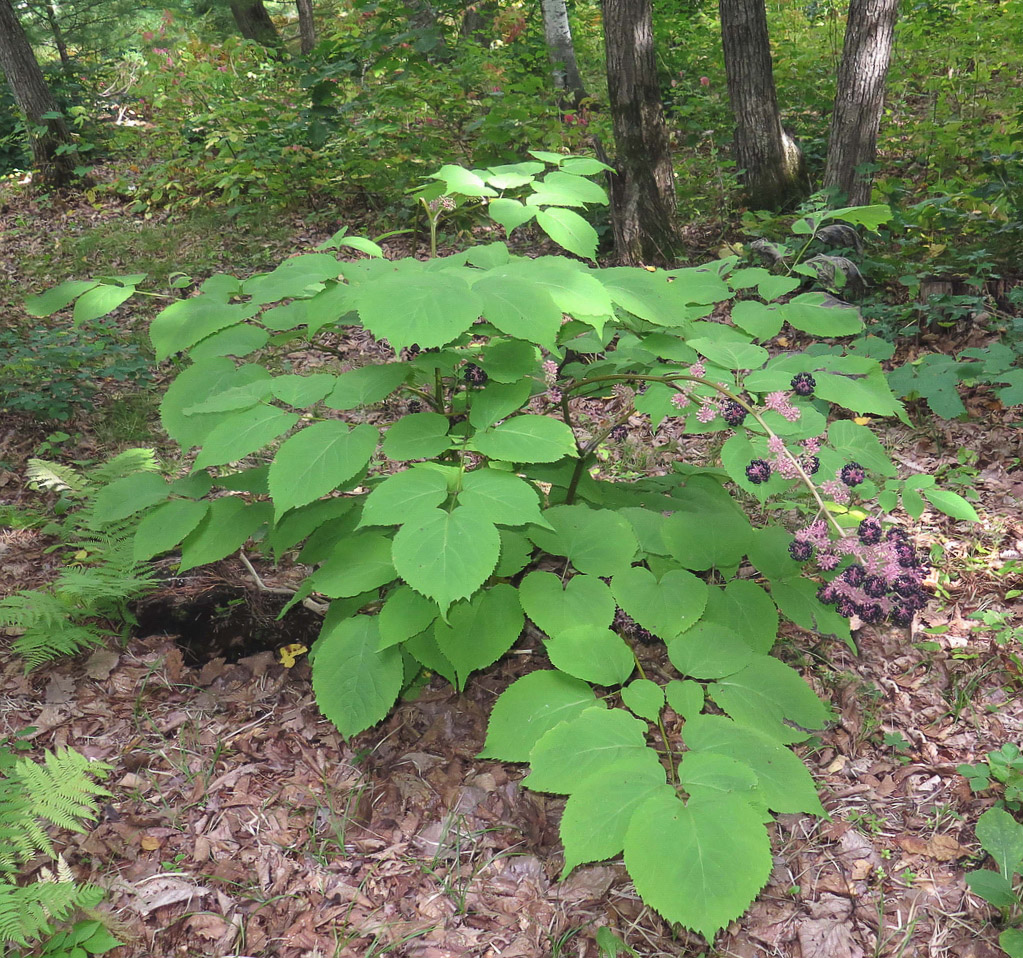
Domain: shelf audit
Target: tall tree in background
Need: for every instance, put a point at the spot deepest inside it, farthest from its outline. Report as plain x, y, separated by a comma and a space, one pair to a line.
643, 186
771, 163
859, 101
254, 23
561, 50
306, 25
47, 133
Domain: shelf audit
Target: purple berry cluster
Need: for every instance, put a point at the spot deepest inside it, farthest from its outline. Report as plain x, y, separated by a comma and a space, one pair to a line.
853, 474
803, 384
474, 375
732, 413
619, 432
758, 471
627, 627
884, 580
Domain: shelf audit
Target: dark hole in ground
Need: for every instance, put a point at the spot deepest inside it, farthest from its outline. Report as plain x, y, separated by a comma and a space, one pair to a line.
226, 622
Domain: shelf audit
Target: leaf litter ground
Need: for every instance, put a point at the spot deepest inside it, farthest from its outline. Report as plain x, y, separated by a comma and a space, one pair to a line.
242, 824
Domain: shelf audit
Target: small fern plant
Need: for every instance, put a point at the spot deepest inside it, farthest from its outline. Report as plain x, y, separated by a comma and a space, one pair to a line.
91, 595
61, 790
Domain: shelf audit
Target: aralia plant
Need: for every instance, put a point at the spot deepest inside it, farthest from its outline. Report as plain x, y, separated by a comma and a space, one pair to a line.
445, 498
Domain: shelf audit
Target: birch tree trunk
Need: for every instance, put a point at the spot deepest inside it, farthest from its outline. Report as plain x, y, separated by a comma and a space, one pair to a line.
558, 35
643, 186
28, 86
770, 162
859, 101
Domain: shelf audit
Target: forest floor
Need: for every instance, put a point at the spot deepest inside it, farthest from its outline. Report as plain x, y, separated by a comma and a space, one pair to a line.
240, 823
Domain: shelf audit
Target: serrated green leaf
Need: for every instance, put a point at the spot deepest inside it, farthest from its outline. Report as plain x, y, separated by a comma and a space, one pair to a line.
569, 230
519, 309
509, 213
572, 751
240, 340
1011, 942
861, 394
809, 313
686, 698
99, 301
478, 632
360, 563
665, 606
188, 321
707, 776
574, 184
354, 681
785, 783
457, 179
709, 650
797, 600
516, 552
760, 321
501, 496
594, 655
526, 438
596, 541
130, 494
598, 812
424, 649
700, 864
403, 495
869, 216
447, 556
304, 520
231, 400
296, 278
509, 360
583, 600
644, 697
730, 353
166, 526
366, 386
404, 614
859, 444
302, 391
767, 692
708, 530
242, 434
59, 297
227, 526
746, 609
498, 400
421, 435
530, 707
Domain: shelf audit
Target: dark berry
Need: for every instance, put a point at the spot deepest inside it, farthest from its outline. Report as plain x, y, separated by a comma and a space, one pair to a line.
875, 586
732, 413
905, 585
871, 613
758, 471
895, 533
905, 554
619, 432
869, 532
474, 375
414, 405
826, 593
853, 474
812, 465
800, 551
803, 384
902, 614
847, 607
854, 575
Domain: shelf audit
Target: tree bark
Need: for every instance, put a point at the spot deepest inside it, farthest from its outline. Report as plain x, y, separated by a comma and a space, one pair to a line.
34, 99
254, 23
306, 25
770, 162
478, 21
643, 185
561, 51
58, 39
859, 101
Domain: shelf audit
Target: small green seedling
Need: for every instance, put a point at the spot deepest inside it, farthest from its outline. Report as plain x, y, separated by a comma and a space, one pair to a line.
1001, 836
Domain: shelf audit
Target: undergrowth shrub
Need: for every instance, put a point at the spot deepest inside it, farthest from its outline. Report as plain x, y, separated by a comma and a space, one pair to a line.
63, 790
448, 498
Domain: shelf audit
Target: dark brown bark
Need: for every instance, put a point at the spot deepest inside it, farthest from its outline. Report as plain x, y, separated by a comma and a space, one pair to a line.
58, 39
859, 101
478, 21
254, 23
28, 86
306, 25
643, 186
770, 162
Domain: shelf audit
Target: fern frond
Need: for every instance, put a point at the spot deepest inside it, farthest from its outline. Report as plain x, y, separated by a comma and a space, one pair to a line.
32, 609
43, 474
63, 788
26, 912
38, 646
124, 464
21, 835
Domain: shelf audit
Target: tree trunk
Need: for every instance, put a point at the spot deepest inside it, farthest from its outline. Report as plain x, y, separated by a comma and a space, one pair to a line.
254, 23
852, 142
306, 25
770, 162
28, 86
643, 186
478, 22
58, 39
561, 51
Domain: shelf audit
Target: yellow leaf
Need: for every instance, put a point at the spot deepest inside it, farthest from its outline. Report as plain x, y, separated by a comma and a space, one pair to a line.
149, 843
862, 420
289, 654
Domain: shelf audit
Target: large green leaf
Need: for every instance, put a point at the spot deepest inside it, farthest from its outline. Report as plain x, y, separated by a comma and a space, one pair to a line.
785, 783
359, 563
403, 495
588, 745
526, 438
708, 530
569, 230
519, 309
584, 190
242, 434
861, 394
354, 681
501, 496
302, 391
700, 864
295, 278
686, 698
234, 341
809, 313
317, 460
187, 321
951, 503
746, 609
598, 812
420, 435
584, 600
164, 527
457, 179
480, 631
765, 694
730, 353
705, 775
305, 520
130, 494
366, 385
645, 294
225, 529
57, 298
404, 614
510, 360
760, 321
666, 606
99, 301
497, 401
447, 555
509, 213
597, 541
1002, 838
429, 309
796, 598
644, 698
575, 289
708, 651
594, 655
859, 444
529, 708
